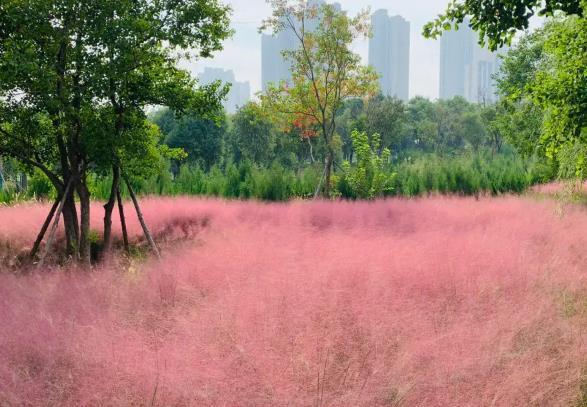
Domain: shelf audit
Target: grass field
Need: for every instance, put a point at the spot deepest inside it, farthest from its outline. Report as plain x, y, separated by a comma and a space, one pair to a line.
435, 301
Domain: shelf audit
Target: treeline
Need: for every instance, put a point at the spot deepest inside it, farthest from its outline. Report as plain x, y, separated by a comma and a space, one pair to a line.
410, 149
419, 126
417, 147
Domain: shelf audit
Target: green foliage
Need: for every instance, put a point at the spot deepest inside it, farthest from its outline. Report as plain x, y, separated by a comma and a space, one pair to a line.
201, 138
371, 177
498, 21
560, 86
325, 72
544, 95
386, 117
466, 175
253, 135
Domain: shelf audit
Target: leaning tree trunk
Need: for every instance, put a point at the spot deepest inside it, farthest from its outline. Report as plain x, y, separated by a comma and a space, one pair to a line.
109, 208
122, 220
146, 231
54, 226
43, 230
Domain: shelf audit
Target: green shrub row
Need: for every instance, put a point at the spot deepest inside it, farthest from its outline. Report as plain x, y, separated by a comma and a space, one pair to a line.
469, 174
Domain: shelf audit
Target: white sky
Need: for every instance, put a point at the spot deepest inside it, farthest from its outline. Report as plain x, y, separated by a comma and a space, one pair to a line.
242, 53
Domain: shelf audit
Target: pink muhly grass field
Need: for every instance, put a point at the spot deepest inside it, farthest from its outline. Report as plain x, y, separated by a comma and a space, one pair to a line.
439, 301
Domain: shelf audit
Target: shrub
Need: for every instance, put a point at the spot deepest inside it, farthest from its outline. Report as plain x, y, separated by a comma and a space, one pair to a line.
371, 176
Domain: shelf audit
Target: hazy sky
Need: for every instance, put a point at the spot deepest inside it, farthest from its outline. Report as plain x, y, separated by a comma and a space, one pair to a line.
242, 53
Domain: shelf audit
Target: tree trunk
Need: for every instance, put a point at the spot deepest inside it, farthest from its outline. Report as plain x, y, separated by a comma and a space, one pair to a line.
84, 240
71, 224
122, 220
43, 230
109, 208
146, 231
54, 226
328, 173
320, 183
324, 184
311, 150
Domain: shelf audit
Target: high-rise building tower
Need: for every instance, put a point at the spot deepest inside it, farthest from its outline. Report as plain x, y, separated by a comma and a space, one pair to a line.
274, 67
239, 94
467, 69
389, 53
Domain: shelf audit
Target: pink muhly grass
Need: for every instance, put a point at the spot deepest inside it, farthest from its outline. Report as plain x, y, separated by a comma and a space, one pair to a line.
440, 301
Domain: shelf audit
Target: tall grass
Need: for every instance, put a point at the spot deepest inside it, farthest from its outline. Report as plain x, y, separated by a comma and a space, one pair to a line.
442, 301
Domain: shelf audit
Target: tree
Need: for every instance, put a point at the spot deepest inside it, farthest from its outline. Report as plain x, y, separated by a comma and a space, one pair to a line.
252, 135
473, 129
201, 138
352, 118
560, 88
325, 71
544, 93
386, 116
520, 118
420, 123
75, 77
498, 20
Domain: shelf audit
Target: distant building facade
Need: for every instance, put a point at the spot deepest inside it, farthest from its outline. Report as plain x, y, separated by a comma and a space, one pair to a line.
239, 94
389, 53
466, 68
274, 67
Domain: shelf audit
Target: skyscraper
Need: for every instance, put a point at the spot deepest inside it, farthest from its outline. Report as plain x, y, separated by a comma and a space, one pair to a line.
389, 53
274, 67
239, 94
467, 69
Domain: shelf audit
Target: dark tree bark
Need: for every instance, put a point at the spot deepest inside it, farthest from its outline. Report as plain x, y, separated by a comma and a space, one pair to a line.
84, 240
146, 231
122, 220
324, 184
109, 208
43, 230
54, 226
71, 225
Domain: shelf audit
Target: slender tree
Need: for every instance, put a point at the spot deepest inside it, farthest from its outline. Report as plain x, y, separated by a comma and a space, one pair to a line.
325, 71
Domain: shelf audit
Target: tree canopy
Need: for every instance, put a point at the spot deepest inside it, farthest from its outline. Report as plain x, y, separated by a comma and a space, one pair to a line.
75, 77
498, 20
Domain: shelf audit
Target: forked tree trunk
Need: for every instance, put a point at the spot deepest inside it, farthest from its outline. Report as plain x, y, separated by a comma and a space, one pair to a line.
109, 208
43, 230
146, 231
54, 226
122, 220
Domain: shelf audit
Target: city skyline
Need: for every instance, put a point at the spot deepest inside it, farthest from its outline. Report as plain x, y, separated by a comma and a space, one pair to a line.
243, 52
